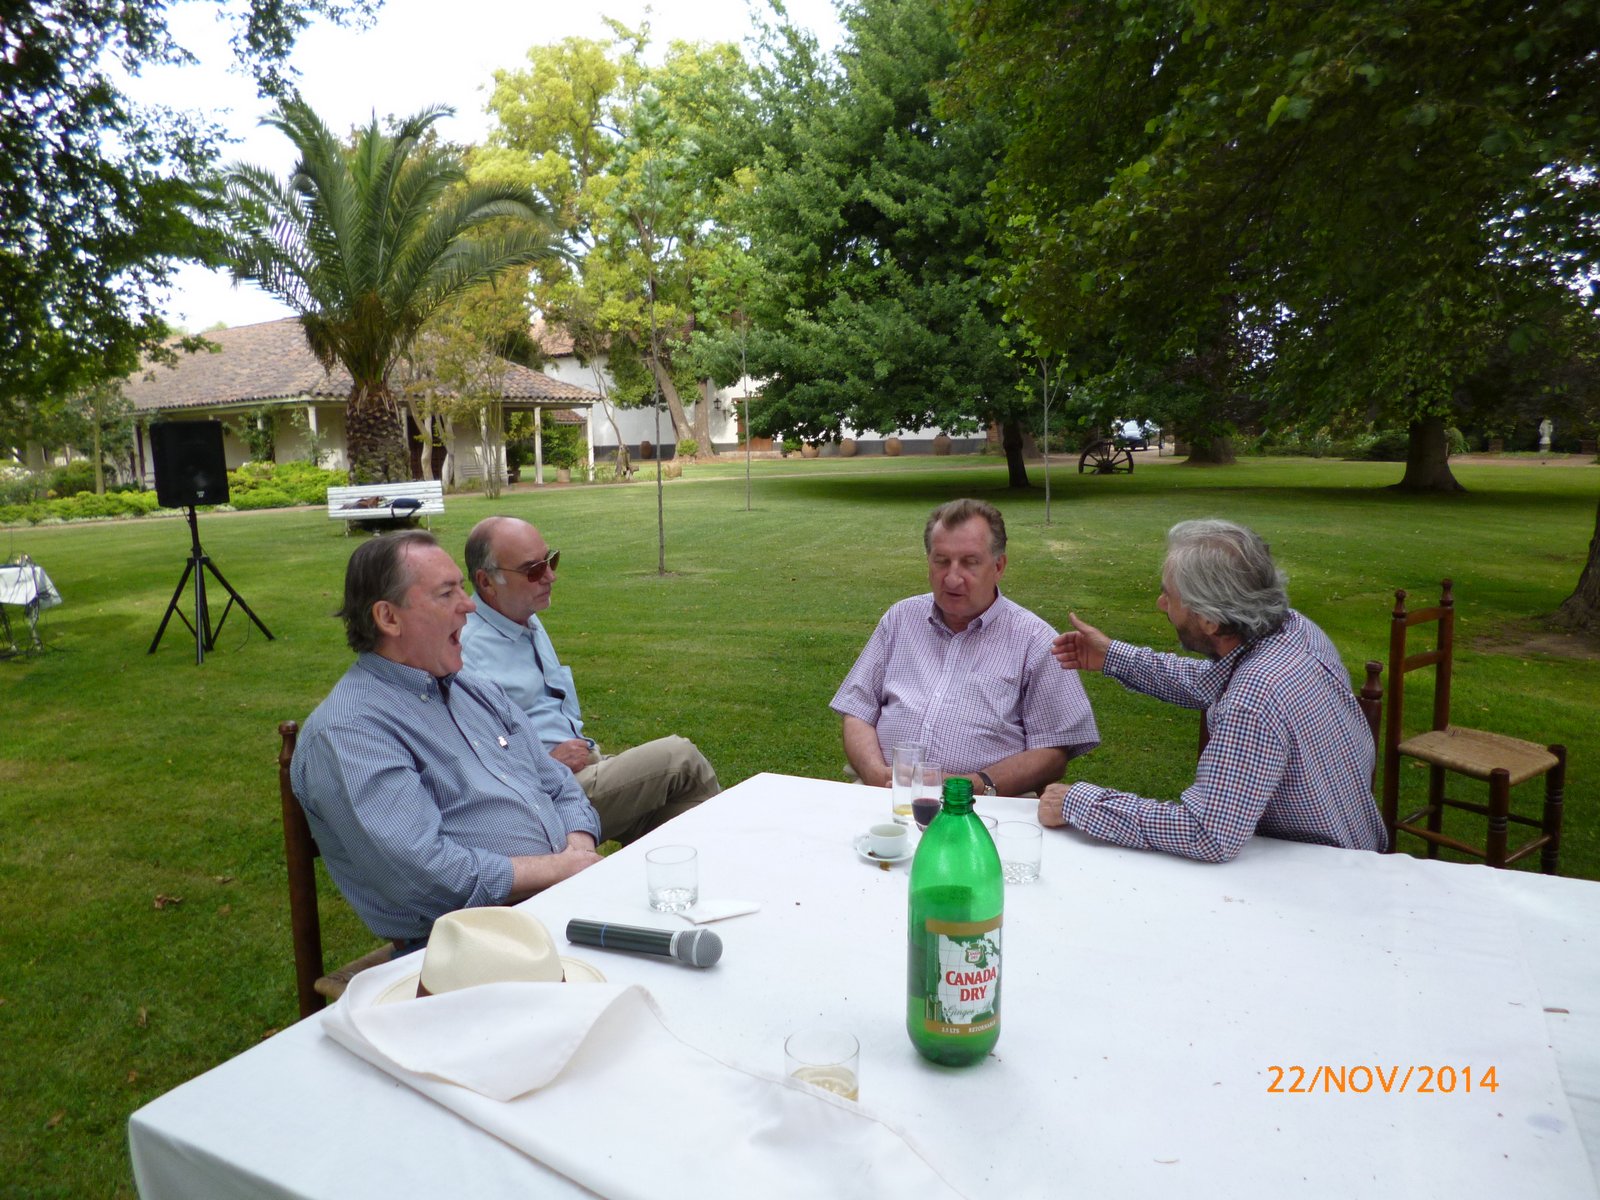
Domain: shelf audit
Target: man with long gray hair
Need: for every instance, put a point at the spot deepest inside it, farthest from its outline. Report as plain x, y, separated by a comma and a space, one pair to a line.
1290, 754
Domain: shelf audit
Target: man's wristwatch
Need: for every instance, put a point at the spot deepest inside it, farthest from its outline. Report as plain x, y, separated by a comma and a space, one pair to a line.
988, 784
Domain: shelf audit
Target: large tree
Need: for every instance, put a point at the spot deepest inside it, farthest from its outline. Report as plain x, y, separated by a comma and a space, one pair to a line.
95, 200
1331, 209
635, 158
366, 242
869, 218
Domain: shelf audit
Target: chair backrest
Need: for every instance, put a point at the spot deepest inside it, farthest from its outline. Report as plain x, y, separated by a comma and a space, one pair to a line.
1440, 657
300, 856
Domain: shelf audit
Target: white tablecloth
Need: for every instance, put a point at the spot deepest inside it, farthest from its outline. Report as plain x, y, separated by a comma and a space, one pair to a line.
25, 583
1146, 1004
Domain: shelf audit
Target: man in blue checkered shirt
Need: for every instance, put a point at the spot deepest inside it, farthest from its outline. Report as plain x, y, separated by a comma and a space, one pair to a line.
1290, 754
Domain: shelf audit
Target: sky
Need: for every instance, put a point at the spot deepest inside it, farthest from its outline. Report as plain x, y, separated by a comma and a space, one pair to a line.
417, 53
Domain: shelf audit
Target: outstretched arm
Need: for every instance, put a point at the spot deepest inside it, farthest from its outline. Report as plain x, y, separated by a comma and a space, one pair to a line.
1081, 648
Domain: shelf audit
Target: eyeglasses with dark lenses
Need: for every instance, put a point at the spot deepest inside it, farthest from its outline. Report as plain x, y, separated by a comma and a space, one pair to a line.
536, 571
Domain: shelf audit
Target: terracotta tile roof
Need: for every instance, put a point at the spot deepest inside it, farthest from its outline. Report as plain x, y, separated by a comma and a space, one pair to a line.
553, 340
257, 364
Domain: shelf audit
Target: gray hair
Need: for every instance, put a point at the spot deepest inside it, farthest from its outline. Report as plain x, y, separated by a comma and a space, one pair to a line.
480, 548
959, 512
377, 571
1225, 573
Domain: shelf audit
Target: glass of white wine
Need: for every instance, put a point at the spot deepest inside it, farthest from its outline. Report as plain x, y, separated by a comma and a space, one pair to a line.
825, 1058
905, 779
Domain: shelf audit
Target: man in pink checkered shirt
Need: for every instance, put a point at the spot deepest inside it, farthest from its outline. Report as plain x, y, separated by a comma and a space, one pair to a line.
965, 673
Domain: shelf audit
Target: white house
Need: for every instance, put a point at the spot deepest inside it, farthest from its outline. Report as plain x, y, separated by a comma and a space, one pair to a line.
266, 372
637, 425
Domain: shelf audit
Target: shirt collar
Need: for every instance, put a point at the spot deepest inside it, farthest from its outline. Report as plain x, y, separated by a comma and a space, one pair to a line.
936, 618
500, 623
410, 679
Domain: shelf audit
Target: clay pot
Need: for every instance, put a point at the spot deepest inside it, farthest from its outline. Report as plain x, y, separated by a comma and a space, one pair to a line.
941, 444
809, 451
847, 448
892, 447
646, 450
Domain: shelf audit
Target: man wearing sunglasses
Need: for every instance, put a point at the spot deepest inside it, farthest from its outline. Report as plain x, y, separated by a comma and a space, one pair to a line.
513, 573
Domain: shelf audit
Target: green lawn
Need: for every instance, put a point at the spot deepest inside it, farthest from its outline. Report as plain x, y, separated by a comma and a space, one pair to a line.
125, 777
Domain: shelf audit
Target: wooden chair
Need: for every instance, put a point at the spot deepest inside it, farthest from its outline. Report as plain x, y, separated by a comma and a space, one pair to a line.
300, 852
1369, 695
1503, 762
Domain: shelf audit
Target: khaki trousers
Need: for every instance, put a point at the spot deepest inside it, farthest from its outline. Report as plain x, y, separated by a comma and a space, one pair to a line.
638, 789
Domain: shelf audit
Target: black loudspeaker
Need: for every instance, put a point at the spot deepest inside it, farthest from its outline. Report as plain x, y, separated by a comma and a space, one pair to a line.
191, 467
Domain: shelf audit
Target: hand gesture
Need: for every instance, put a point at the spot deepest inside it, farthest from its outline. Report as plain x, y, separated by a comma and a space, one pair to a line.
1081, 648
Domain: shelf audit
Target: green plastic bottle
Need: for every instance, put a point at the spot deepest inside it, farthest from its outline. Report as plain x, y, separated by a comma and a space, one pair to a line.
953, 962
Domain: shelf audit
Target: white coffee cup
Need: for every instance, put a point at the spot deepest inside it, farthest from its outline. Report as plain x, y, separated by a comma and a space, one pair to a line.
888, 840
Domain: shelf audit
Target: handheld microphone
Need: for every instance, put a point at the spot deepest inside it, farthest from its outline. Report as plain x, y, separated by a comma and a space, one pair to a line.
696, 947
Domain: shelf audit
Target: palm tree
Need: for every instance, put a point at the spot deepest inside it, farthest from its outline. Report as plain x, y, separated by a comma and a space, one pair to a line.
365, 243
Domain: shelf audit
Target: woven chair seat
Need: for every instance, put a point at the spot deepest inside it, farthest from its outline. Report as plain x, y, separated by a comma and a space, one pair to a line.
333, 984
1478, 754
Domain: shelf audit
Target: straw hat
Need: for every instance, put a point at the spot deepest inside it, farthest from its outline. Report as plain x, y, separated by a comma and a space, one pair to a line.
488, 945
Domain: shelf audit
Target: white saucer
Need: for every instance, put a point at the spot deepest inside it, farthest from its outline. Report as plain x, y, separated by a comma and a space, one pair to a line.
861, 844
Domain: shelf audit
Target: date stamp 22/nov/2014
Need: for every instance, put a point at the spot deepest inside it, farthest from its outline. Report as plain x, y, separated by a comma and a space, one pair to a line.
1396, 1079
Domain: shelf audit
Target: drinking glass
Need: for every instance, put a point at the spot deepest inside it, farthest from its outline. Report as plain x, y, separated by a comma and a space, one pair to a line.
672, 878
930, 794
905, 780
1021, 847
824, 1058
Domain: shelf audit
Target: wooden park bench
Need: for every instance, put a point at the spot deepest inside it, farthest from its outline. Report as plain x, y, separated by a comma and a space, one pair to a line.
385, 502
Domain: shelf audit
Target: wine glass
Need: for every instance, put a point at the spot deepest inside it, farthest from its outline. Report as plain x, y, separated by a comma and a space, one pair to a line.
930, 794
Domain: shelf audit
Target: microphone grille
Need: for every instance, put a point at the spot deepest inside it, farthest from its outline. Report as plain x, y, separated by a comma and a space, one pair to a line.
701, 948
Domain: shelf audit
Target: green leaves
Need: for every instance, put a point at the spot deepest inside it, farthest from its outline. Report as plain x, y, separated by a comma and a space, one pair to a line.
367, 242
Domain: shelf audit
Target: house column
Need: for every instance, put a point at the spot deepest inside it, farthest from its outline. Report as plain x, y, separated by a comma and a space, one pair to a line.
538, 447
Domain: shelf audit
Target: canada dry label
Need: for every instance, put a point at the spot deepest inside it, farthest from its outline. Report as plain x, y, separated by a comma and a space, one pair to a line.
962, 991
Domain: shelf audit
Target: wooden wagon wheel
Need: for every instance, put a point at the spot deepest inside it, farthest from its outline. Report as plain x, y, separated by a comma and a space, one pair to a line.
1104, 458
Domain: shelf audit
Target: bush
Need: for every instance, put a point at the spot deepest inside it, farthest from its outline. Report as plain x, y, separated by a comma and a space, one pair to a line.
262, 497
564, 445
73, 478
19, 486
80, 507
1385, 445
287, 483
687, 448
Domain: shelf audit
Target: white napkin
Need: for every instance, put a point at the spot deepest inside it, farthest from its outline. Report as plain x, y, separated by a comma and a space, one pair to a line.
705, 911
588, 1080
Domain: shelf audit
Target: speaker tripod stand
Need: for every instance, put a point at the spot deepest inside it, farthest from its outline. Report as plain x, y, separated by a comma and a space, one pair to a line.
205, 638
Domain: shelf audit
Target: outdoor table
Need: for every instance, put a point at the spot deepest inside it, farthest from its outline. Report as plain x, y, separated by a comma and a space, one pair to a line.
1168, 1028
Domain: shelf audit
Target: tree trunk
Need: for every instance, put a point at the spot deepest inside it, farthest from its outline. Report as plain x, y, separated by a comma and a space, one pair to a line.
1427, 459
702, 419
669, 391
448, 474
1011, 439
424, 420
99, 461
1211, 450
491, 449
375, 438
1581, 610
